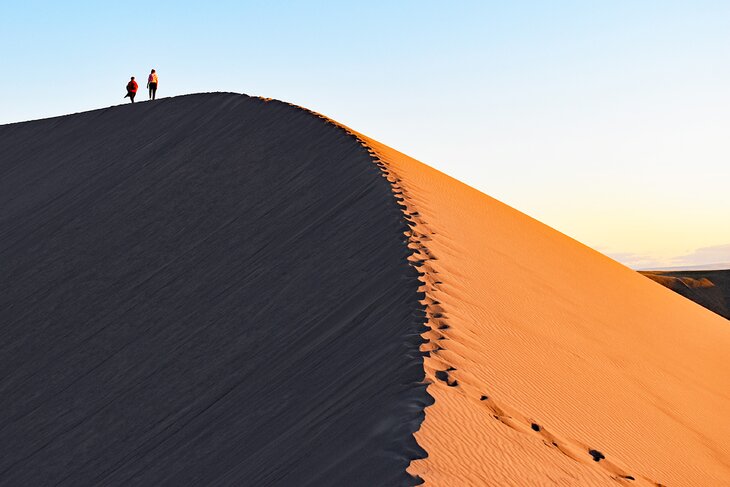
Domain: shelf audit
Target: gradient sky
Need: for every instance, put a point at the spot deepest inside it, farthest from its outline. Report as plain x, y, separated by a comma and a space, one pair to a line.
608, 120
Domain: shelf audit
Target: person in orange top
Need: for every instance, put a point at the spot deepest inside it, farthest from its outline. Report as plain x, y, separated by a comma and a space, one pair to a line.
131, 89
152, 84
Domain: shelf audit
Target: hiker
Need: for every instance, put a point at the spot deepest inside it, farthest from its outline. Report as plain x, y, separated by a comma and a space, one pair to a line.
152, 84
131, 89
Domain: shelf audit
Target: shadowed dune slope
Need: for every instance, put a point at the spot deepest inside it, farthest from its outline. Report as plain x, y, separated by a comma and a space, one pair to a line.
710, 289
551, 364
205, 290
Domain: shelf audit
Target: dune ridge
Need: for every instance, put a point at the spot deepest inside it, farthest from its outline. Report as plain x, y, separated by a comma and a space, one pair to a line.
487, 428
475, 437
550, 363
424, 333
205, 290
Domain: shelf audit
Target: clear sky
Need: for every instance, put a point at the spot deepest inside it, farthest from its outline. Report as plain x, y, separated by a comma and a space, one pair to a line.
608, 120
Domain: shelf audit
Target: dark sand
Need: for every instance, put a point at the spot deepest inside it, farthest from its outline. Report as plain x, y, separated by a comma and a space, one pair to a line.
710, 289
204, 290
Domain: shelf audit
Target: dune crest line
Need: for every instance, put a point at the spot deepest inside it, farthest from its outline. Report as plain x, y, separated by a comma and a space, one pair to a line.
549, 362
211, 289
231, 290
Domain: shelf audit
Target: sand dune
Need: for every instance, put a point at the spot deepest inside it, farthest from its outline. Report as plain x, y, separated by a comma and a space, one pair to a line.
216, 290
207, 290
710, 289
551, 364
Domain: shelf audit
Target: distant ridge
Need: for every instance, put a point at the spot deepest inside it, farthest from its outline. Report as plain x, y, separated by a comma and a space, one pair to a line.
710, 289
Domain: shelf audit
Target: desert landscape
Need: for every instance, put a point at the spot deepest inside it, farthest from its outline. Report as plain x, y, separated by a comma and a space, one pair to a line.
218, 289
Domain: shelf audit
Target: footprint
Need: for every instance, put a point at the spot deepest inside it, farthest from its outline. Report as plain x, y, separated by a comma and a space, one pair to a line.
597, 456
443, 375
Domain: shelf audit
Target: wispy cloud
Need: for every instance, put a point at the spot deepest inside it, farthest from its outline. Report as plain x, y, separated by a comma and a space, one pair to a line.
714, 257
636, 261
705, 256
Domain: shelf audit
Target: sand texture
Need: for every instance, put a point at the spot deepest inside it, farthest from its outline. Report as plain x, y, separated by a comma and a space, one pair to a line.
551, 364
206, 290
710, 289
223, 290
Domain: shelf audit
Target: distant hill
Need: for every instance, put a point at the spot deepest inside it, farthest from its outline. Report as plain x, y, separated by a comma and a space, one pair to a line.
710, 289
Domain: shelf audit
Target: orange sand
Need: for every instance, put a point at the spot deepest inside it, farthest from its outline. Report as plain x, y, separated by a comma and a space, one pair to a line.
560, 339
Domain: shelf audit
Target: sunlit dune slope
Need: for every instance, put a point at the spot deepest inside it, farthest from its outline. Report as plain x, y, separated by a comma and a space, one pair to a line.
710, 289
551, 364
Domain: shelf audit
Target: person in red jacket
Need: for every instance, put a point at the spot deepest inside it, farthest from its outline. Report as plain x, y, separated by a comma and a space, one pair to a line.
131, 89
